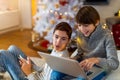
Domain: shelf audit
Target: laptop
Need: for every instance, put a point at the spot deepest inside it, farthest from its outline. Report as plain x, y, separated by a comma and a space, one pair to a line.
71, 67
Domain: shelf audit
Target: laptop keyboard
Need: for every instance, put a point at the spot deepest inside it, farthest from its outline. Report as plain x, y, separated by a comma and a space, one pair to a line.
38, 61
89, 73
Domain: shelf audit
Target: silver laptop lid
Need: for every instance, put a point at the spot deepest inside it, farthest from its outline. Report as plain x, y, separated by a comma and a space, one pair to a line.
64, 65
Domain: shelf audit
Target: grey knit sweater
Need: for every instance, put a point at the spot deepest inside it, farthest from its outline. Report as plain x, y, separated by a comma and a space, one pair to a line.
99, 44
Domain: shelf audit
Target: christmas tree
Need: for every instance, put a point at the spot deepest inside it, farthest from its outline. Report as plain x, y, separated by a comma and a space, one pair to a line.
51, 12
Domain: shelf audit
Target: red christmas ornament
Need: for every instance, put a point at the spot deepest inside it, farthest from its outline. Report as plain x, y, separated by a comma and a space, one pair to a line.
59, 17
63, 2
44, 43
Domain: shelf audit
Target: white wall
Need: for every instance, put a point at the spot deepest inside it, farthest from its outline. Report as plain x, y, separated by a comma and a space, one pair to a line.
25, 13
8, 4
24, 7
9, 15
13, 4
108, 10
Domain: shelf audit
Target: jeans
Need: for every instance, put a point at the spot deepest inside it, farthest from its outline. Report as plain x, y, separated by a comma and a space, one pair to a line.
55, 75
9, 61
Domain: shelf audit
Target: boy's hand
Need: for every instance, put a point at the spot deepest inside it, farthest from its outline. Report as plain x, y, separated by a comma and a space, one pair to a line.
87, 64
26, 65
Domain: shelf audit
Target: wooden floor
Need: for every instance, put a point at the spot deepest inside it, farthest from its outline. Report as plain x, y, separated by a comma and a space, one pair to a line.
18, 38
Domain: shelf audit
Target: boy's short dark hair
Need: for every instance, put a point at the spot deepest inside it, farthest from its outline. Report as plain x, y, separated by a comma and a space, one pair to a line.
87, 15
64, 26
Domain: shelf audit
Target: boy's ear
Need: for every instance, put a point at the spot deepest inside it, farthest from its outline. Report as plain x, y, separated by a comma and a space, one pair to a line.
97, 22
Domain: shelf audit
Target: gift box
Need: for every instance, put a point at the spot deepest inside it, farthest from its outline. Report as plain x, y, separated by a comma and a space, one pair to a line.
116, 34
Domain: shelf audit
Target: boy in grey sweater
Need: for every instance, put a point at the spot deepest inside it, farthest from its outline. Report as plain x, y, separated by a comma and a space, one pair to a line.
95, 42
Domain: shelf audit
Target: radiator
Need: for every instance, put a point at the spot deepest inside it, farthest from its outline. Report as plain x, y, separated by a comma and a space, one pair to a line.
9, 19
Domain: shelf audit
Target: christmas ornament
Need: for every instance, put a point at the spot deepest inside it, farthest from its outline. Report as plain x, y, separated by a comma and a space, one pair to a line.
63, 2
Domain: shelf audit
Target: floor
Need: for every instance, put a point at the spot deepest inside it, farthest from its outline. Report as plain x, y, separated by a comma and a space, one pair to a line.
18, 38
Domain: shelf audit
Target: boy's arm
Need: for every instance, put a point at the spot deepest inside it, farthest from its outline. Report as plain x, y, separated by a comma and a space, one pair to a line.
77, 55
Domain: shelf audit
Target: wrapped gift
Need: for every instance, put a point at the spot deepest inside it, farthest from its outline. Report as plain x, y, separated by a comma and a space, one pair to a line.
116, 34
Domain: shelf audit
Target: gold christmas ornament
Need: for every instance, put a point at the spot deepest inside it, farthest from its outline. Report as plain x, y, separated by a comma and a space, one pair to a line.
52, 21
44, 6
35, 36
64, 17
75, 8
57, 5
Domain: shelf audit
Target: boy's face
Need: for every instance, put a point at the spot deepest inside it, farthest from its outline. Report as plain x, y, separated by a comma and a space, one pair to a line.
60, 40
86, 29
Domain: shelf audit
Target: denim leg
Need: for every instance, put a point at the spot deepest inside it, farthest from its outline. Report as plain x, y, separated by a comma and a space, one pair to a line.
15, 51
78, 78
68, 77
55, 75
1, 63
10, 64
